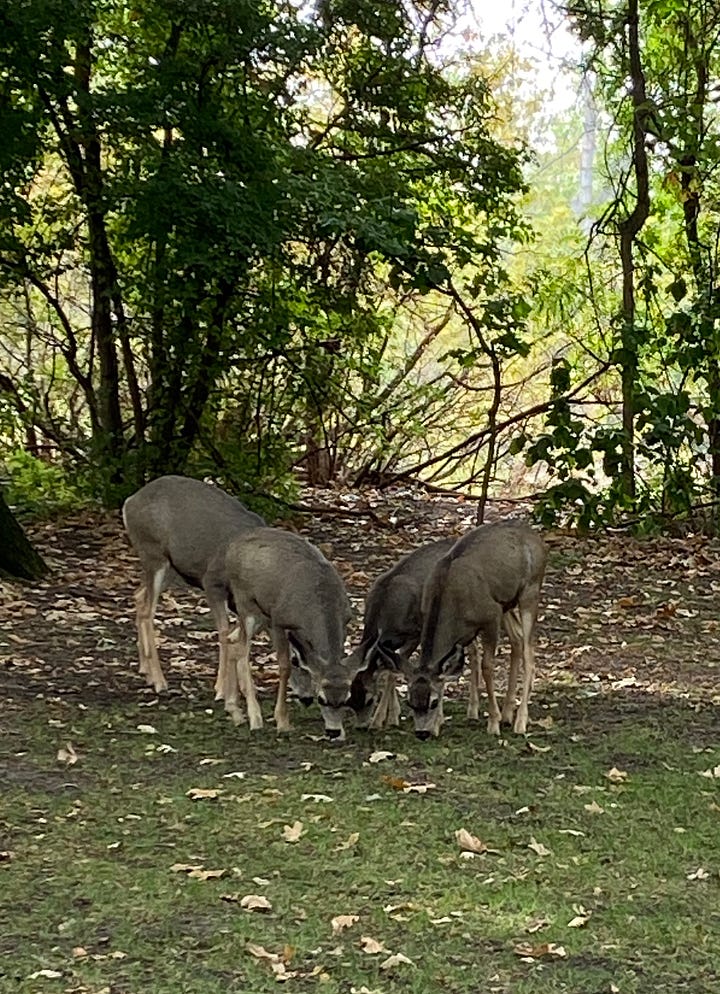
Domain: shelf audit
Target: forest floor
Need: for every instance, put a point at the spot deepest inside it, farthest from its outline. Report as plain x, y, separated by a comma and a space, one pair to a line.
132, 825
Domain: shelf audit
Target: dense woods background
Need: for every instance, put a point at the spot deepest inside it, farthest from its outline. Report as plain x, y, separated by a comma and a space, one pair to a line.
356, 243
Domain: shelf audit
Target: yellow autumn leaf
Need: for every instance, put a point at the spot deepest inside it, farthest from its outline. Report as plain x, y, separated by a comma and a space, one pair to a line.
371, 946
468, 842
291, 833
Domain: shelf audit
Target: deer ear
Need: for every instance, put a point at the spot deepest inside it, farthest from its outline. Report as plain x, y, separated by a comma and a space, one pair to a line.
453, 663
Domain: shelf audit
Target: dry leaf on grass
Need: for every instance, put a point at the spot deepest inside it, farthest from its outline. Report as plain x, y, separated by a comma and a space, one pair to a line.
201, 794
699, 874
395, 960
67, 755
713, 774
582, 917
616, 776
469, 843
536, 924
538, 847
291, 833
594, 808
398, 783
147, 729
528, 951
255, 902
197, 873
352, 840
185, 867
277, 961
371, 946
46, 974
341, 922
380, 755
316, 798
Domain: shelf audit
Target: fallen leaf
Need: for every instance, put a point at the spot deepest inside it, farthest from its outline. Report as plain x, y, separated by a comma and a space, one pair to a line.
199, 874
418, 788
527, 951
201, 794
380, 755
351, 841
185, 867
397, 783
47, 974
616, 776
79, 952
371, 946
316, 798
468, 842
536, 924
341, 922
395, 960
260, 952
67, 755
699, 874
255, 902
538, 847
147, 729
291, 833
531, 747
582, 917
714, 773
594, 808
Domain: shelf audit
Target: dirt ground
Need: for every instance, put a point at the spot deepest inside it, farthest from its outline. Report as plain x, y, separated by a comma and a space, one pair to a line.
621, 618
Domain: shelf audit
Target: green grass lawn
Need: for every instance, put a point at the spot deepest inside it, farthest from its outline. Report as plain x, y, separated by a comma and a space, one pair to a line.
88, 890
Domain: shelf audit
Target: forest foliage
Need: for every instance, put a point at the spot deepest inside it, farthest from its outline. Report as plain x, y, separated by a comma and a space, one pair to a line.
274, 242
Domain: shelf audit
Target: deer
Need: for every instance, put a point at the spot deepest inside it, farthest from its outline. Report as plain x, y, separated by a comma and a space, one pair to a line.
282, 583
180, 527
392, 625
490, 578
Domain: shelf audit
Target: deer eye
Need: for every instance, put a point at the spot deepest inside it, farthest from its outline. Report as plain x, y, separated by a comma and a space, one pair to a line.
434, 704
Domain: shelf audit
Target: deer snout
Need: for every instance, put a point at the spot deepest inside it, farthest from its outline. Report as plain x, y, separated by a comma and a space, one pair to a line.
333, 733
307, 701
423, 734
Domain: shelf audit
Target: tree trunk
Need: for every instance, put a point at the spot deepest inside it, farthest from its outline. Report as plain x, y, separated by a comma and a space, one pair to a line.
17, 557
629, 230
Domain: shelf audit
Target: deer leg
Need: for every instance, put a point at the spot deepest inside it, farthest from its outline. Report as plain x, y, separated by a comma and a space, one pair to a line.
282, 651
393, 717
528, 626
439, 716
146, 601
473, 711
513, 626
488, 672
217, 601
244, 675
381, 712
233, 642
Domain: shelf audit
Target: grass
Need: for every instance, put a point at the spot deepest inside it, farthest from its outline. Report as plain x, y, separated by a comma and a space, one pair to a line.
88, 891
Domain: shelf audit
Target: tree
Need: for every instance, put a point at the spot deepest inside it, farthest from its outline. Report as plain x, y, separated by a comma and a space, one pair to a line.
237, 184
17, 556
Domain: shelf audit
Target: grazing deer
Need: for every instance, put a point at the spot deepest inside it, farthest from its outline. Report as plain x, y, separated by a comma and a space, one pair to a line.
491, 576
180, 526
283, 583
392, 625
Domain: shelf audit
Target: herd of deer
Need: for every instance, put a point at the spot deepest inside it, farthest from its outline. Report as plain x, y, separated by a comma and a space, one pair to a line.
440, 598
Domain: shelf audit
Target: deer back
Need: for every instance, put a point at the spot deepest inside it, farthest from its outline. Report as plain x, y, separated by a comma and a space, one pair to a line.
185, 521
485, 574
